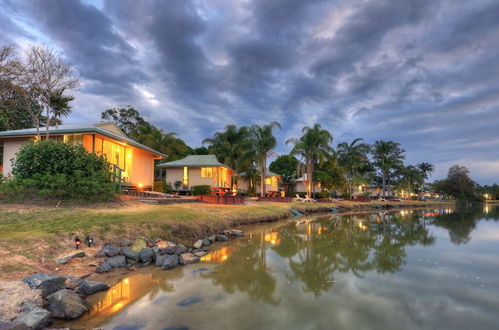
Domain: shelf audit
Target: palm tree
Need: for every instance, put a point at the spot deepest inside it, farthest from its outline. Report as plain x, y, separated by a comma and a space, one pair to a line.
353, 158
229, 145
411, 178
313, 146
426, 170
262, 142
387, 155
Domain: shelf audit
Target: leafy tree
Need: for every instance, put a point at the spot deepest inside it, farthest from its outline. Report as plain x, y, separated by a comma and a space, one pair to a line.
313, 147
127, 119
457, 184
388, 156
230, 145
286, 166
411, 178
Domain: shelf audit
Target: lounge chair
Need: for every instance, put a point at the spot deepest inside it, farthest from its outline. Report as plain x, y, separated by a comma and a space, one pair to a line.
308, 199
381, 199
298, 198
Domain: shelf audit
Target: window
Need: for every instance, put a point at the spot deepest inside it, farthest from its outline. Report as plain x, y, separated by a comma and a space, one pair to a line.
206, 172
185, 180
268, 181
73, 139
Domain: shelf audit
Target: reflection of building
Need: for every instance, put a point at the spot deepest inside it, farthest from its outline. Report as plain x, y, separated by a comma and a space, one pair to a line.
272, 238
220, 255
307, 228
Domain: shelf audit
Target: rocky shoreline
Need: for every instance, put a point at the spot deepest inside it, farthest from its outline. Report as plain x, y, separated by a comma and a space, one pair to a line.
40, 298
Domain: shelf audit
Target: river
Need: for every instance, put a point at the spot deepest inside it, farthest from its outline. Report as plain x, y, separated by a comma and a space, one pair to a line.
410, 269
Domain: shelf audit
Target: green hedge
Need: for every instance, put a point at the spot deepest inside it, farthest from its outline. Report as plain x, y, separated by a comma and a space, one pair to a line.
201, 190
51, 169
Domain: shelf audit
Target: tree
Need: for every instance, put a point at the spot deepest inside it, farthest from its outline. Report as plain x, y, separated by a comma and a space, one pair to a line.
426, 170
127, 119
411, 178
263, 142
313, 147
388, 156
354, 161
47, 73
285, 166
60, 107
230, 145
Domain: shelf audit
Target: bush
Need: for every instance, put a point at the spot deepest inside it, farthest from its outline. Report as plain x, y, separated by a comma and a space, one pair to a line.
53, 169
201, 190
162, 186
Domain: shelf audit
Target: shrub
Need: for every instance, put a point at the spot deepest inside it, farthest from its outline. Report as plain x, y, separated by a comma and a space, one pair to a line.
53, 169
162, 186
201, 190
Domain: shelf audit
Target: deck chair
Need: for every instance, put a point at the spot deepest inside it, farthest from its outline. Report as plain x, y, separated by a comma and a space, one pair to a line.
298, 198
381, 199
308, 199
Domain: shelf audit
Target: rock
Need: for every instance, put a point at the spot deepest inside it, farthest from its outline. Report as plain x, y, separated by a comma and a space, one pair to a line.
72, 282
131, 254
104, 268
200, 253
237, 233
108, 251
212, 238
139, 244
207, 242
160, 259
90, 287
65, 304
64, 260
116, 261
170, 262
13, 295
198, 244
32, 317
179, 249
168, 250
164, 244
221, 238
46, 282
146, 255
188, 258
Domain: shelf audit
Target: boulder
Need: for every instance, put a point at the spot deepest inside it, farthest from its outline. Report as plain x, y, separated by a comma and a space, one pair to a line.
108, 251
90, 287
207, 242
237, 233
72, 282
168, 250
46, 282
212, 238
221, 238
32, 317
65, 304
139, 244
200, 253
170, 262
116, 261
103, 268
198, 244
146, 255
187, 258
131, 254
64, 260
179, 249
162, 244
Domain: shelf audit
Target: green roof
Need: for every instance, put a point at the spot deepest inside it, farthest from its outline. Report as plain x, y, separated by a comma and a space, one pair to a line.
78, 129
194, 161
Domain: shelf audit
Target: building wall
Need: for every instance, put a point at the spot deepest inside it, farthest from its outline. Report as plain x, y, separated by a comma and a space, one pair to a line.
242, 184
10, 148
174, 174
301, 187
88, 142
142, 168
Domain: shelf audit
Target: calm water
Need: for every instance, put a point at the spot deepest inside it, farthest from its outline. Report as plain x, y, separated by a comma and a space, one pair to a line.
433, 269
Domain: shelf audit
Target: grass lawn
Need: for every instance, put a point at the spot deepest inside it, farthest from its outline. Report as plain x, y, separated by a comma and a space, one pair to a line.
32, 236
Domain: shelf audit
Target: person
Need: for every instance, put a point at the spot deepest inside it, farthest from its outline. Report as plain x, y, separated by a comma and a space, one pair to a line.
77, 242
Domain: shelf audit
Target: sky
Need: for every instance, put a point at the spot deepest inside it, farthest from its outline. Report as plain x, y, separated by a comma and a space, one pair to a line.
422, 73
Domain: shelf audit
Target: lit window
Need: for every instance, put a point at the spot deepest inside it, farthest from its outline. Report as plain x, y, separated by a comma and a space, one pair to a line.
206, 172
185, 180
268, 181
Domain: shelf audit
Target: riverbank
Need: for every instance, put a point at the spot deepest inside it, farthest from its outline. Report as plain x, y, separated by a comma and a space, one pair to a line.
33, 237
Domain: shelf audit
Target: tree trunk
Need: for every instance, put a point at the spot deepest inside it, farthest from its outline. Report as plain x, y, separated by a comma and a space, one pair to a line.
383, 184
262, 176
48, 124
309, 179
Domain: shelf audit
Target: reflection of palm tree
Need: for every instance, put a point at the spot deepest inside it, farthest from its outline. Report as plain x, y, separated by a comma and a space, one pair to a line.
246, 271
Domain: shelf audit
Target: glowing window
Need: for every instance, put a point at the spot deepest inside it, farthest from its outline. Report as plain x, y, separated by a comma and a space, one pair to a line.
206, 172
185, 180
268, 181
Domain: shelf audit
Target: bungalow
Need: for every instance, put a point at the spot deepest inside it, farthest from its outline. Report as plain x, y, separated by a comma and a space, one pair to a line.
134, 160
372, 190
300, 185
197, 170
272, 181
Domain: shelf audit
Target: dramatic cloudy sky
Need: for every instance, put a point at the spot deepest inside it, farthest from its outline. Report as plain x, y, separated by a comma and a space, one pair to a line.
424, 73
